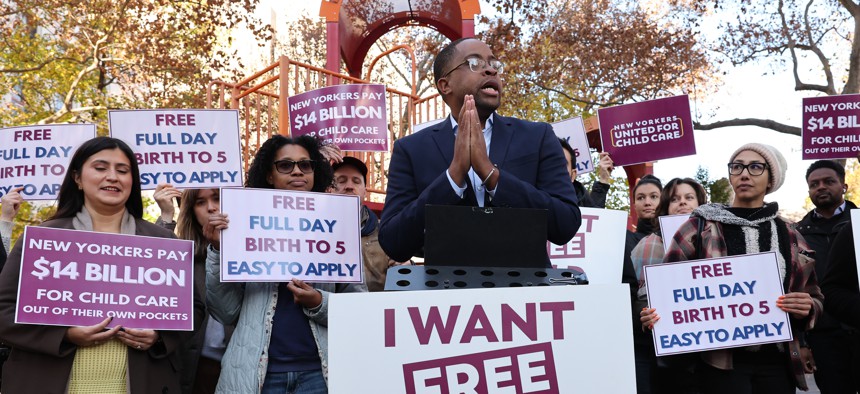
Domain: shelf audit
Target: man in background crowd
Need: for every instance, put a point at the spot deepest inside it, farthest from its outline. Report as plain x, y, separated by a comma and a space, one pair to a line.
830, 338
350, 177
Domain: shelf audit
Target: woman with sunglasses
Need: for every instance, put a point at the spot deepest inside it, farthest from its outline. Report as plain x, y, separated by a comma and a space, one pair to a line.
280, 343
748, 226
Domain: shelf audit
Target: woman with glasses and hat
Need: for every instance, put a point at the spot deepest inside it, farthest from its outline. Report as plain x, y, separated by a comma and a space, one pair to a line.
749, 226
280, 342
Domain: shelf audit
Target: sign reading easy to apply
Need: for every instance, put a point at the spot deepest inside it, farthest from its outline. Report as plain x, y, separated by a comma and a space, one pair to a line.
188, 148
593, 248
717, 303
277, 235
573, 131
558, 339
35, 157
647, 131
79, 278
353, 117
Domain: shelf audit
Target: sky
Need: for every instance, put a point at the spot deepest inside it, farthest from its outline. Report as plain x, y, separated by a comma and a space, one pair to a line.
746, 91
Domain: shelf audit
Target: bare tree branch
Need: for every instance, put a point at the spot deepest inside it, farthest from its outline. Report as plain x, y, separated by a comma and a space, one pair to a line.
571, 98
852, 85
825, 63
798, 84
763, 123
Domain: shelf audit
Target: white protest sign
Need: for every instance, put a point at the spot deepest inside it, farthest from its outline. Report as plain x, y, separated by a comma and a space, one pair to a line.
558, 339
35, 157
277, 235
717, 303
573, 131
669, 225
597, 248
855, 222
188, 148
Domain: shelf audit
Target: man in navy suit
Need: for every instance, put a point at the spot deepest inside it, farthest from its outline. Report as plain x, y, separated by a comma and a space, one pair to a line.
475, 157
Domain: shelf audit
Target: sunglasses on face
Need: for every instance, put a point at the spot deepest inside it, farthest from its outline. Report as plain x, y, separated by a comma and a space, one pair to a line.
286, 166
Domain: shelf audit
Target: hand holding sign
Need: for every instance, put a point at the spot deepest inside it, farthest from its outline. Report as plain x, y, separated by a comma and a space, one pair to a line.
138, 339
91, 335
304, 294
10, 203
797, 304
649, 318
164, 195
605, 167
212, 229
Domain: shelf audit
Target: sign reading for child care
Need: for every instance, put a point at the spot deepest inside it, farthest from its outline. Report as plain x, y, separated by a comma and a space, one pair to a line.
277, 235
558, 339
594, 247
353, 117
647, 131
188, 148
831, 127
573, 131
35, 157
79, 278
717, 303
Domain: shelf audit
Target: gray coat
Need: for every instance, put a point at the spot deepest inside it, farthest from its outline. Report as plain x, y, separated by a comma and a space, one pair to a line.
251, 306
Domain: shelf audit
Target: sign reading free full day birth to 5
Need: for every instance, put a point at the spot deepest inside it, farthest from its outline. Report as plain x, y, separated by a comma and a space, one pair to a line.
35, 157
717, 303
79, 278
353, 117
188, 148
277, 235
647, 131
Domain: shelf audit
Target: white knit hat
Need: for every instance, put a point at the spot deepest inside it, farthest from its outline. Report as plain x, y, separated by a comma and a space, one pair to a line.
775, 162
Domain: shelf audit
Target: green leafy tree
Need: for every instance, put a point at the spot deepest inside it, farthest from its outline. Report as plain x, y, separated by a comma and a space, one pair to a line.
72, 60
718, 190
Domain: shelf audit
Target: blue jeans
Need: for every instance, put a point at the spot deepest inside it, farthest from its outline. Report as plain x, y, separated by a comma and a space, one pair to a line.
304, 382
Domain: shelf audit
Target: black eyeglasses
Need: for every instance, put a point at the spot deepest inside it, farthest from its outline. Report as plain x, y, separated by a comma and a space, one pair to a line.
286, 166
754, 169
477, 64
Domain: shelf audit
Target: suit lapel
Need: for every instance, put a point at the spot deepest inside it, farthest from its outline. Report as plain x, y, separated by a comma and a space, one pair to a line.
443, 135
502, 134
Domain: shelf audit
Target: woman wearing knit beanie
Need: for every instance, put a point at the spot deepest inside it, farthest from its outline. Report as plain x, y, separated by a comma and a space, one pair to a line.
748, 226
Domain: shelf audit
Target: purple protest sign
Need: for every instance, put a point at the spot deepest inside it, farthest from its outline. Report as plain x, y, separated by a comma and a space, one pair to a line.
351, 116
647, 131
831, 129
78, 278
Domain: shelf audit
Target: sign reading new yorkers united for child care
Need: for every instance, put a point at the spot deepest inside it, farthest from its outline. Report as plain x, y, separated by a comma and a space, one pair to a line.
647, 131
